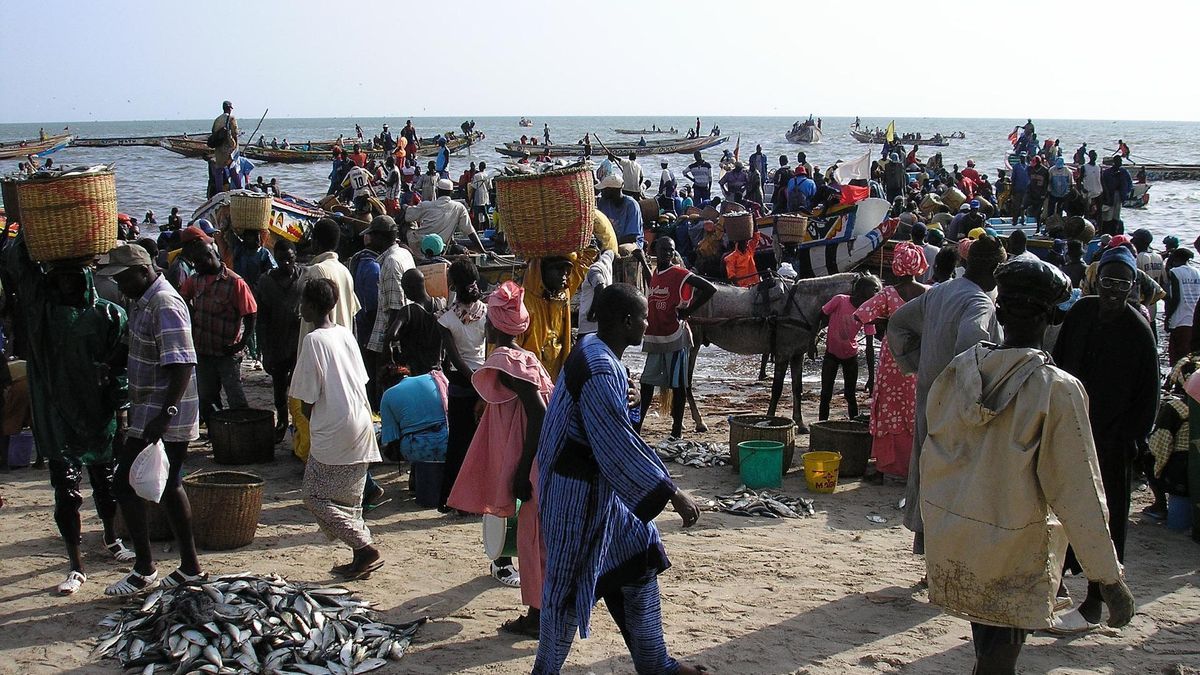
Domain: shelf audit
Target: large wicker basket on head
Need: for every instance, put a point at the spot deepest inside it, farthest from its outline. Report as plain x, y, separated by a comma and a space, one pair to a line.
250, 211
547, 214
225, 508
72, 216
791, 228
739, 225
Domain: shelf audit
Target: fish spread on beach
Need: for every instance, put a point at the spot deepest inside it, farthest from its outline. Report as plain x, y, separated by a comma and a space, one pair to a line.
693, 453
252, 624
762, 503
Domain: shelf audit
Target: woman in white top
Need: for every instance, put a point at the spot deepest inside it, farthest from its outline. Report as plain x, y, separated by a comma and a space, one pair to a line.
330, 381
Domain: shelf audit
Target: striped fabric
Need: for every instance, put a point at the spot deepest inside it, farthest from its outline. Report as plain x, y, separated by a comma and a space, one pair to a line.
160, 334
636, 608
601, 487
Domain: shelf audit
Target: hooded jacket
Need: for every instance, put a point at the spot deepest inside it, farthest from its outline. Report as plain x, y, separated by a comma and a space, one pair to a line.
1008, 474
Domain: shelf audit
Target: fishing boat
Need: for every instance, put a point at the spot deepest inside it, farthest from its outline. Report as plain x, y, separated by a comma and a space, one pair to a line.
128, 141
525, 122
37, 148
1157, 172
663, 147
880, 137
642, 132
299, 155
807, 132
188, 147
850, 234
291, 216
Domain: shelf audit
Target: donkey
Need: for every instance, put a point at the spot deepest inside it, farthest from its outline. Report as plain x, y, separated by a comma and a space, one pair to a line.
777, 317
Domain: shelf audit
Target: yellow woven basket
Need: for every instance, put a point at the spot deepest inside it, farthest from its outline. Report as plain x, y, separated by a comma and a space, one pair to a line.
791, 228
250, 212
547, 214
69, 216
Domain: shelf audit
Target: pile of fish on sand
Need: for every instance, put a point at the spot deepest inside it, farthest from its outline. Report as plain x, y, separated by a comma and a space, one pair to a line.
763, 503
252, 624
693, 453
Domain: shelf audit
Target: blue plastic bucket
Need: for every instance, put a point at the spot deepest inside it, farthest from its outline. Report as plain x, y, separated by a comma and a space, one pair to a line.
20, 449
1179, 513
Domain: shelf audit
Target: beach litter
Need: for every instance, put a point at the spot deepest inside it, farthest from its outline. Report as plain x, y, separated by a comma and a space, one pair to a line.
762, 503
693, 453
245, 623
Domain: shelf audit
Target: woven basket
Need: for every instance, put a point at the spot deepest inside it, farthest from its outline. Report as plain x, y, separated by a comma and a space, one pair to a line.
762, 428
225, 508
547, 214
250, 212
852, 439
242, 436
790, 228
739, 225
69, 216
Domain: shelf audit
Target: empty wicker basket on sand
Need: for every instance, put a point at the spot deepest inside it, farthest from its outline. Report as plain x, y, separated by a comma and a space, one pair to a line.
250, 212
72, 216
225, 508
547, 214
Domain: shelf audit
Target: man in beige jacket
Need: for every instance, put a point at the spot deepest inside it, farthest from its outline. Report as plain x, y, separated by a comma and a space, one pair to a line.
1009, 473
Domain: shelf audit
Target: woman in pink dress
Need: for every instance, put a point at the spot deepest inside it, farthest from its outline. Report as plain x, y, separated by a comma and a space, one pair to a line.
893, 400
499, 466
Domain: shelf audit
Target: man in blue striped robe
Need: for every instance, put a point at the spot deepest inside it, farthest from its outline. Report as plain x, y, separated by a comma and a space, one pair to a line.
601, 487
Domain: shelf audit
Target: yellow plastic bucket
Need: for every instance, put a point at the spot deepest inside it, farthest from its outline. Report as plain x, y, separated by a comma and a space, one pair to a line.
821, 470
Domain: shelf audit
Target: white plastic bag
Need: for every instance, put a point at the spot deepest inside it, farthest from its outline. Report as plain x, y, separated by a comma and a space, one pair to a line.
148, 474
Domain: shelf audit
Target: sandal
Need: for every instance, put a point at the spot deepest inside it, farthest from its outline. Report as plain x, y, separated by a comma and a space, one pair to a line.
506, 575
181, 578
74, 580
118, 551
132, 584
522, 625
360, 573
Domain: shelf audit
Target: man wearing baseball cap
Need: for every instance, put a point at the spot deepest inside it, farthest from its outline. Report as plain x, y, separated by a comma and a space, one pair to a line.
1009, 473
163, 406
442, 216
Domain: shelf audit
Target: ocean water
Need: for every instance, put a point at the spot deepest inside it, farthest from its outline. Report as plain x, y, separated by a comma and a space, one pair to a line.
154, 179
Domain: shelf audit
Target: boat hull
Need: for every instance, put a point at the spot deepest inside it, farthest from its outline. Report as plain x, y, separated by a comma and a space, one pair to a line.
686, 145
19, 149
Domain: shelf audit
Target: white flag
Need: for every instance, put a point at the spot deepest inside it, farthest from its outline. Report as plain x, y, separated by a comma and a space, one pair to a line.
859, 168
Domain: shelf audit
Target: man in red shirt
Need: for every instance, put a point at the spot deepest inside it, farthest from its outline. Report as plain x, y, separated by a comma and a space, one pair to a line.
358, 157
970, 172
672, 295
223, 316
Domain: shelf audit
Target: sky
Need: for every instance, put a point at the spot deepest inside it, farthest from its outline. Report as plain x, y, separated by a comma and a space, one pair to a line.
100, 60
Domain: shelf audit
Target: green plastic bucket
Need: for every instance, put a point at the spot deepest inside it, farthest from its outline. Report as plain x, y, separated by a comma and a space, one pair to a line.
761, 463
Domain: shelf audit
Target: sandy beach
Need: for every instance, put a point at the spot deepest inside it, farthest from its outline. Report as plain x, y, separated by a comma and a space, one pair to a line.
836, 593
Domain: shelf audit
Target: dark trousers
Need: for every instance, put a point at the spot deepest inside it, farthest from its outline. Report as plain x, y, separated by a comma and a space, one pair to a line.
215, 374
700, 194
996, 648
1116, 473
281, 379
65, 478
1016, 204
460, 416
829, 369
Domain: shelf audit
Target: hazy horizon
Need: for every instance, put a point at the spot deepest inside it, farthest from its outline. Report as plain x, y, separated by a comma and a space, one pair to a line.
130, 60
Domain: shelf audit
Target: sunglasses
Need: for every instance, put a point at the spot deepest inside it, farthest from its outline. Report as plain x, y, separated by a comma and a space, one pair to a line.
1112, 283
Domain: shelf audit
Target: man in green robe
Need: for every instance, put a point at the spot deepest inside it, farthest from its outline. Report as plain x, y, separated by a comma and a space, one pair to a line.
77, 387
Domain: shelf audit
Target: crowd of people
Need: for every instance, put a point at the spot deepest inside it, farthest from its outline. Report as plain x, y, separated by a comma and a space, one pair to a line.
995, 439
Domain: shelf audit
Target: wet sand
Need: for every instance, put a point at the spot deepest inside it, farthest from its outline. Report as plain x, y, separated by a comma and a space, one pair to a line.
832, 594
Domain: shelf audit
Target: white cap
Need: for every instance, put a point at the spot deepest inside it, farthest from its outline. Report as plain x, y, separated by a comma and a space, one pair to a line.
612, 180
445, 184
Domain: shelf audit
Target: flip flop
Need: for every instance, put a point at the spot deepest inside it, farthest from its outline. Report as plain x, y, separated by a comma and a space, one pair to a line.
364, 573
132, 584
120, 552
74, 580
1071, 623
181, 578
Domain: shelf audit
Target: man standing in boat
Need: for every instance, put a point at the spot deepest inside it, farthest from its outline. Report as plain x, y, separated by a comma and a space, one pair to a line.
700, 173
224, 139
546, 134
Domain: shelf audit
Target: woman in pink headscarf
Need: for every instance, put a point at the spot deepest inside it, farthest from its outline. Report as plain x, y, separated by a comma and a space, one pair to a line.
893, 401
499, 466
